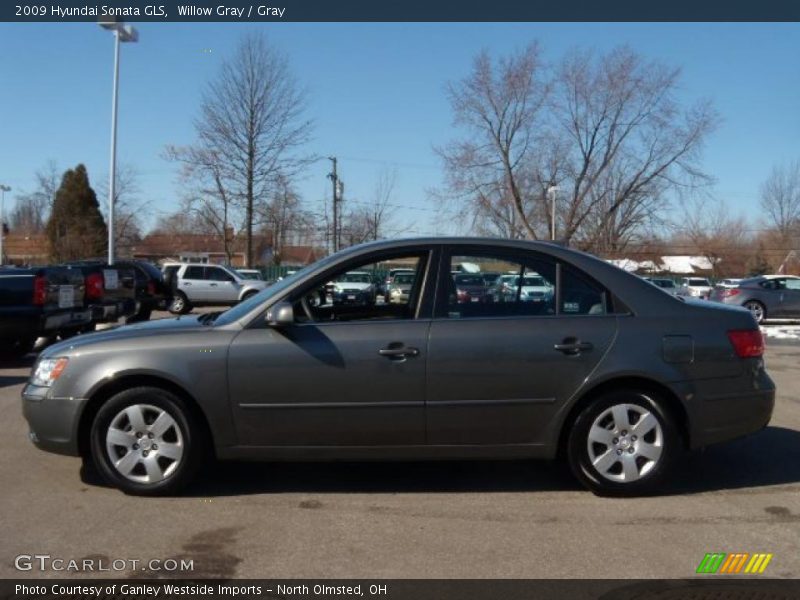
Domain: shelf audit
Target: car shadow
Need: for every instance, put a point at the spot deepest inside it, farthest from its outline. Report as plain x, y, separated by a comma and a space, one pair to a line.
769, 457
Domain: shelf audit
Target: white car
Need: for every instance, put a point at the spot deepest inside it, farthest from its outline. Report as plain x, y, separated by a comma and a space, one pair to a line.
354, 287
696, 287
204, 284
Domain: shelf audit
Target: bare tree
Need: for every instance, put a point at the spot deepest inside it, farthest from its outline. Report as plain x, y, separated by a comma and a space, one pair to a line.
780, 198
207, 200
709, 228
284, 219
128, 208
606, 130
373, 220
31, 210
252, 125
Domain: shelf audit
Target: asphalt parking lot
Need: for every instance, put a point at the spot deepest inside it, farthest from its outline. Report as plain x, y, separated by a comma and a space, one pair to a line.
449, 520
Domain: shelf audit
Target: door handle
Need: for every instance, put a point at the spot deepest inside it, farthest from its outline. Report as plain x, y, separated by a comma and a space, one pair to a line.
573, 346
400, 352
187, 283
213, 284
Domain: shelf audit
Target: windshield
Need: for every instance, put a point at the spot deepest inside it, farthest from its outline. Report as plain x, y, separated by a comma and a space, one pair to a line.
699, 282
244, 307
533, 281
404, 278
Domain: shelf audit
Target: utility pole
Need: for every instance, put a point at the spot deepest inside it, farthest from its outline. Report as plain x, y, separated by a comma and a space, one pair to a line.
334, 181
3, 190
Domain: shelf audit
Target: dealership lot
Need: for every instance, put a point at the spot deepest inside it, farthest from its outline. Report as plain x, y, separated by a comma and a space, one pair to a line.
460, 519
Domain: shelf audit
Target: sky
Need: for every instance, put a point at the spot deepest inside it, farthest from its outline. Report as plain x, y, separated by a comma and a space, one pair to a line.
375, 94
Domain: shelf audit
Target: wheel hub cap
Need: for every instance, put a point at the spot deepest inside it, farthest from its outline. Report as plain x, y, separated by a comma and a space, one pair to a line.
625, 443
144, 443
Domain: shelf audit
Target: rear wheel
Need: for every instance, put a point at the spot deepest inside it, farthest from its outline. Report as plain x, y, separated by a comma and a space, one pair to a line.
623, 444
145, 441
757, 309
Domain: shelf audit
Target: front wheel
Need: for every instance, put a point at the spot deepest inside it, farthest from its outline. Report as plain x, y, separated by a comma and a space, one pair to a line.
146, 442
623, 444
756, 309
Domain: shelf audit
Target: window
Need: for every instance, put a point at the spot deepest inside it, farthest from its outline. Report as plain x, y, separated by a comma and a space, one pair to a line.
793, 284
193, 273
579, 296
359, 292
506, 284
486, 285
217, 274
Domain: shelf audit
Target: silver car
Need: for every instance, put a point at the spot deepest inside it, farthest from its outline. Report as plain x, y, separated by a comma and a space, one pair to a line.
607, 371
767, 296
210, 285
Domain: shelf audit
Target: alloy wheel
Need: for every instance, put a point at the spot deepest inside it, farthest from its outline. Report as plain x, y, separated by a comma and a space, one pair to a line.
756, 309
144, 443
625, 443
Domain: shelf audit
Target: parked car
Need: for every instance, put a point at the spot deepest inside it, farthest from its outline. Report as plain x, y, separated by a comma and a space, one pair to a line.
470, 287
767, 296
383, 287
110, 290
696, 287
620, 377
39, 302
668, 285
208, 285
400, 288
530, 288
729, 283
353, 287
150, 291
250, 274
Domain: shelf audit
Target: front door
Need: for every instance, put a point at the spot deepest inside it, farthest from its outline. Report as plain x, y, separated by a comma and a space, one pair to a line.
499, 369
341, 375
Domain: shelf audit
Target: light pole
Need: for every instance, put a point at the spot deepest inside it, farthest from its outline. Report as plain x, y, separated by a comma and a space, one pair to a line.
122, 33
552, 191
3, 190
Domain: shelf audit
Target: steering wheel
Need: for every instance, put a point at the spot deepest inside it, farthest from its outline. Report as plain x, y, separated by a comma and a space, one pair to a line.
306, 308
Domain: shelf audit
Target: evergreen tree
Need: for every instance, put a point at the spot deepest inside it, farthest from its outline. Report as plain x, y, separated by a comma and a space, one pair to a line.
76, 228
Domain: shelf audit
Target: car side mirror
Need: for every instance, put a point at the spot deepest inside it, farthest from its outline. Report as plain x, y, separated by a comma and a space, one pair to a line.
280, 315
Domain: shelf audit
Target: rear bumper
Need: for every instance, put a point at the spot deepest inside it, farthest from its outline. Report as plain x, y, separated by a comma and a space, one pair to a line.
110, 312
723, 417
52, 422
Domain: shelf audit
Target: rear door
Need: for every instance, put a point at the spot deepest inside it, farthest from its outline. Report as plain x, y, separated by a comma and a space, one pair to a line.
791, 298
500, 369
195, 284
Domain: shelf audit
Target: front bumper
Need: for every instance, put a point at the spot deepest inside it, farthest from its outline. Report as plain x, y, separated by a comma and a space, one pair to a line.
52, 422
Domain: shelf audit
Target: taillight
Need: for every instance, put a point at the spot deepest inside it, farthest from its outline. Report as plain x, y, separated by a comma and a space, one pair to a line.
39, 290
94, 286
151, 288
747, 343
730, 292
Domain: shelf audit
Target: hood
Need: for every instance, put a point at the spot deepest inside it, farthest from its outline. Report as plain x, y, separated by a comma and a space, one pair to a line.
352, 285
147, 328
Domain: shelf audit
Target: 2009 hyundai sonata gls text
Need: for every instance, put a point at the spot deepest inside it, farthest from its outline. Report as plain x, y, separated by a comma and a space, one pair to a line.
607, 368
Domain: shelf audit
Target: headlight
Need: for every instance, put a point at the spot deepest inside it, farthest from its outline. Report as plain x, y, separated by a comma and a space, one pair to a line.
396, 292
48, 370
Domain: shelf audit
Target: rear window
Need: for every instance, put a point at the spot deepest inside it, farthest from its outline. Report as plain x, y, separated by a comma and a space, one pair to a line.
469, 280
699, 282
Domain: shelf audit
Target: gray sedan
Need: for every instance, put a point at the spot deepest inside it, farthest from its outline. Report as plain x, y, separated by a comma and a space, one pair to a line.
767, 296
607, 371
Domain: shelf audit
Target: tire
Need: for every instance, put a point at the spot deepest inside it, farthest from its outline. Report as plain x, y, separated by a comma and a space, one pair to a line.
633, 464
180, 304
758, 310
149, 469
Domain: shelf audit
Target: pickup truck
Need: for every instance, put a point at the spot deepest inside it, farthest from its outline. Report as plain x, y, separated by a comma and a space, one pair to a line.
39, 302
110, 290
